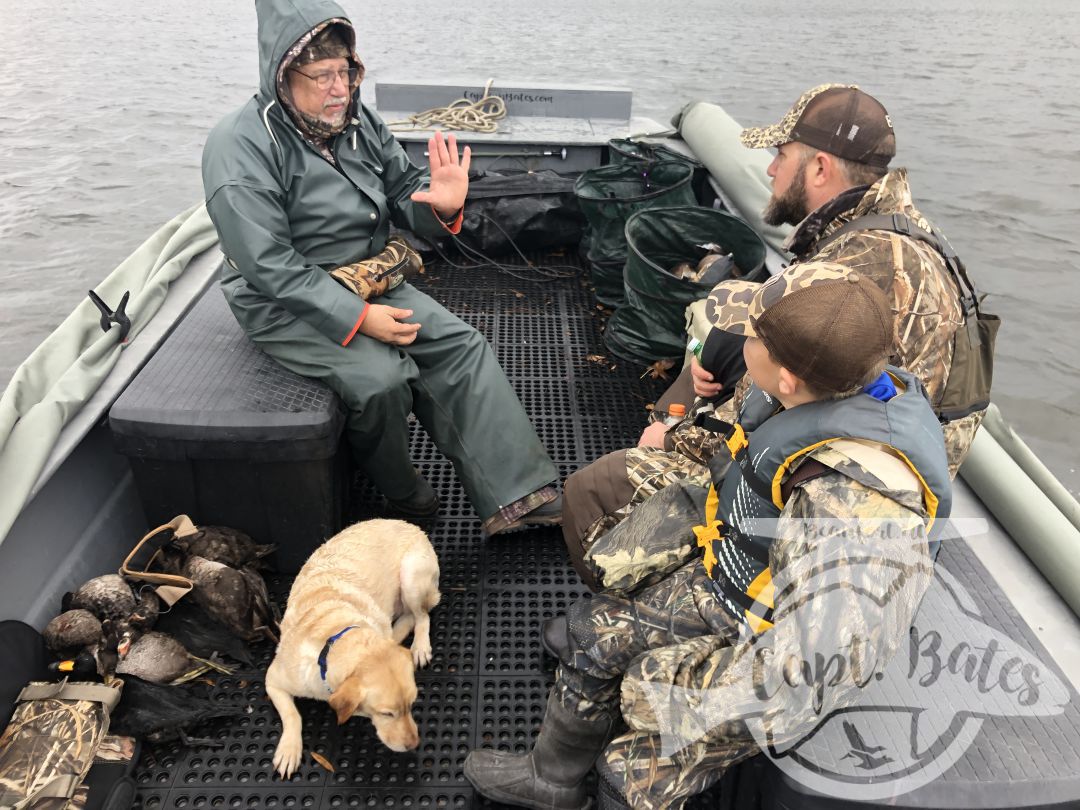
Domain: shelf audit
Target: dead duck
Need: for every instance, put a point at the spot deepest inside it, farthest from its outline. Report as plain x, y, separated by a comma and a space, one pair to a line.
72, 630
224, 545
83, 643
107, 597
160, 658
236, 597
111, 598
202, 635
84, 666
141, 619
162, 713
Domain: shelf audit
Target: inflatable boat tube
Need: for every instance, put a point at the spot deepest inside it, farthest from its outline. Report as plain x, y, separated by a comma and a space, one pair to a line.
741, 172
1026, 512
1023, 455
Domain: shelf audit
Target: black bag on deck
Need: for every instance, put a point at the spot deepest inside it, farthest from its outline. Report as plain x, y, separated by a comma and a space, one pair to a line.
651, 325
608, 197
25, 657
537, 210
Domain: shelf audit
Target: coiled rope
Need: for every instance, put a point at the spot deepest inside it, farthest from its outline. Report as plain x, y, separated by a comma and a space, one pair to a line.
470, 116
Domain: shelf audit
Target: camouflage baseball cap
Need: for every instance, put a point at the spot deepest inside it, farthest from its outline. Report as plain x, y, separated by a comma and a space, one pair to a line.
826, 323
835, 118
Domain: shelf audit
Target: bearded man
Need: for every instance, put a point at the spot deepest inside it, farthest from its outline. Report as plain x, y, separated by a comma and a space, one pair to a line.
833, 150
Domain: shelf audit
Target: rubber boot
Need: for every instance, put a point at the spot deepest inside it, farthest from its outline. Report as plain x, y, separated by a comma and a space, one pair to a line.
555, 638
552, 775
422, 505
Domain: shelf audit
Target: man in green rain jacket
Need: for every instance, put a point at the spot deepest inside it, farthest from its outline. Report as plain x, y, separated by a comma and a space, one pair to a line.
304, 179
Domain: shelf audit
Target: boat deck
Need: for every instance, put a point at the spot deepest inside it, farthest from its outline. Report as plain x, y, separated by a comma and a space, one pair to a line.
488, 681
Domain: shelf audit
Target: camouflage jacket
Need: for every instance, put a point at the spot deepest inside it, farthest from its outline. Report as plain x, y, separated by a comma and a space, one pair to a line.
850, 567
924, 297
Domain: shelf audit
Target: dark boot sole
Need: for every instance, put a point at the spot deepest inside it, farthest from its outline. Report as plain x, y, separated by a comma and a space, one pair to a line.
496, 795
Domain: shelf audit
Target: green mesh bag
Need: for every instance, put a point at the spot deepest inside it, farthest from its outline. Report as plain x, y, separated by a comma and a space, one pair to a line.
651, 324
608, 197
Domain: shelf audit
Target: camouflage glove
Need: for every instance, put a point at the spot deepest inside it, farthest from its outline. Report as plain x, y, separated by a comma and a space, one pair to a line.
372, 277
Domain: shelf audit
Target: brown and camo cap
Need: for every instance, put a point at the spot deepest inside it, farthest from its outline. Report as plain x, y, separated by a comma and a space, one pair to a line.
825, 323
835, 118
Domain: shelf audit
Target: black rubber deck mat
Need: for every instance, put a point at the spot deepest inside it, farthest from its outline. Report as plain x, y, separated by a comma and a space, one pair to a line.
488, 679
487, 683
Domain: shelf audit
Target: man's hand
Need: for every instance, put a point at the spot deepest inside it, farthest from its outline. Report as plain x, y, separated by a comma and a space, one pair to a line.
704, 386
449, 178
653, 435
385, 323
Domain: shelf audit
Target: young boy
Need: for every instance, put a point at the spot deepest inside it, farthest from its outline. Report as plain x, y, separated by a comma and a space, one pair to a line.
838, 462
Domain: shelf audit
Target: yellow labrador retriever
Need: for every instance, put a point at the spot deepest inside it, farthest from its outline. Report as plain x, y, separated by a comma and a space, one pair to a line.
352, 604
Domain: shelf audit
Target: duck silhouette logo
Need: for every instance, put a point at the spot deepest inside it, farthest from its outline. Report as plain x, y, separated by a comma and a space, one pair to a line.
869, 756
874, 682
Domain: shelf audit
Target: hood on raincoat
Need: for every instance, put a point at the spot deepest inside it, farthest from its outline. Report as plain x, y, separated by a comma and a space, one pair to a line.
285, 28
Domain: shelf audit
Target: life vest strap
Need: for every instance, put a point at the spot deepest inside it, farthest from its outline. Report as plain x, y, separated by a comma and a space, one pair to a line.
761, 487
811, 468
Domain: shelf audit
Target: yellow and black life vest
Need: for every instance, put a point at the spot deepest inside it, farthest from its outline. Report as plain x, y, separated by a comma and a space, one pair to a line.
767, 442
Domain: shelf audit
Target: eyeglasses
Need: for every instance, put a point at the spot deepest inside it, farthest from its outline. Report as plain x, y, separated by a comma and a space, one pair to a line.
325, 80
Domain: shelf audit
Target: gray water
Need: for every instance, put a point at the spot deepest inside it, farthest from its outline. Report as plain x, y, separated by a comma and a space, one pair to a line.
104, 108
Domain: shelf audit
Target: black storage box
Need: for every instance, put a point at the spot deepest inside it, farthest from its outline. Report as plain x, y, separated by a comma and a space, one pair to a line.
217, 430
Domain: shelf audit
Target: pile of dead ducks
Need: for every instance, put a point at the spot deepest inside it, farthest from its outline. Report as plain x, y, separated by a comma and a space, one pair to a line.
167, 658
111, 626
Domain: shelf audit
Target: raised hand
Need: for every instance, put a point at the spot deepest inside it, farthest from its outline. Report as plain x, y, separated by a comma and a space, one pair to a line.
449, 176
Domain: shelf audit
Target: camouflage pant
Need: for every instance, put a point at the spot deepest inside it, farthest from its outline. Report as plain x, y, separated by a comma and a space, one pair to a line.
959, 435
599, 496
608, 637
636, 767
602, 495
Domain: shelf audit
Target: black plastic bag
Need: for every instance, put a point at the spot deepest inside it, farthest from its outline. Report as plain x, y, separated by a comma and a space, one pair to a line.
537, 210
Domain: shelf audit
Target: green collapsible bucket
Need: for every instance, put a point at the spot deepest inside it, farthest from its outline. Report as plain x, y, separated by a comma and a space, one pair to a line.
651, 325
622, 151
627, 150
608, 196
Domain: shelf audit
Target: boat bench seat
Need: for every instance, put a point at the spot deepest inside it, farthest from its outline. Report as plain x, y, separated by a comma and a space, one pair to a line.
977, 749
216, 429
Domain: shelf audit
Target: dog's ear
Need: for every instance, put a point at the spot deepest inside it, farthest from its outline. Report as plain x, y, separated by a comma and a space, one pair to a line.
347, 698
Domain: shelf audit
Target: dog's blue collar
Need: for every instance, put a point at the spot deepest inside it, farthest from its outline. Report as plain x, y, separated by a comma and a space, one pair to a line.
326, 651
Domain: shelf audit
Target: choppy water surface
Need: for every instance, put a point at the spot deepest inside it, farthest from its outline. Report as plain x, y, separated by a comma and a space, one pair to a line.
104, 108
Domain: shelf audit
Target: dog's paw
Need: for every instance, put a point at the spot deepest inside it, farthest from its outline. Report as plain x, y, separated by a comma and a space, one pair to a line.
421, 652
287, 756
